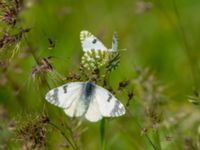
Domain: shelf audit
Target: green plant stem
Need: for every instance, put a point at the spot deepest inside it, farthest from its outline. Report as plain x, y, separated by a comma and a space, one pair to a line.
186, 45
139, 126
31, 50
157, 139
63, 134
102, 132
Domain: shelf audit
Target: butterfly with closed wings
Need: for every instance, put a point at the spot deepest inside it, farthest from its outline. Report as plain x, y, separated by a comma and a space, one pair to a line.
95, 53
90, 42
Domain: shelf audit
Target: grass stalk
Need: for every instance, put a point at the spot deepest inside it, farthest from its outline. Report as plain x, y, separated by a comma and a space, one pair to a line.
186, 45
140, 127
156, 136
64, 135
102, 133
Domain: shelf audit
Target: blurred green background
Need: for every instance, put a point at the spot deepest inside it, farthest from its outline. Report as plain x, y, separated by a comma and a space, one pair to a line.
160, 35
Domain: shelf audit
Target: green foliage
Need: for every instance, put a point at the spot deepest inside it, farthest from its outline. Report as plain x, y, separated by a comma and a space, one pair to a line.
113, 62
39, 44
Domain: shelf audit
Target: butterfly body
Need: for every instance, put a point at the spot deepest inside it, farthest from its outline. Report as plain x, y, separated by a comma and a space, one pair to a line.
88, 90
87, 93
85, 99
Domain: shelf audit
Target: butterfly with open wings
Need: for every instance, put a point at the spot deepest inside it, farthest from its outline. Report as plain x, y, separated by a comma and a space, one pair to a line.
85, 99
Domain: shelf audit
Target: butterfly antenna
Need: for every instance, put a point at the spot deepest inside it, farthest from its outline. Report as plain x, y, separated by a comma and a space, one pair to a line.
124, 49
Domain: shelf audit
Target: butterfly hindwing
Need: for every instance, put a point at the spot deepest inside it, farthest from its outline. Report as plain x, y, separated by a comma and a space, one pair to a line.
108, 104
90, 42
93, 113
115, 42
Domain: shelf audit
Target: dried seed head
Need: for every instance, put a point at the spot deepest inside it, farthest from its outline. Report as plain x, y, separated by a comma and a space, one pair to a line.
72, 76
144, 131
142, 7
10, 11
44, 66
195, 98
168, 138
4, 79
34, 133
43, 119
9, 44
123, 84
52, 43
12, 125
190, 144
130, 96
3, 112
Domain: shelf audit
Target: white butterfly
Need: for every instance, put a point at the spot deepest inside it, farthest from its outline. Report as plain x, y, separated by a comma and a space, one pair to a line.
90, 42
85, 99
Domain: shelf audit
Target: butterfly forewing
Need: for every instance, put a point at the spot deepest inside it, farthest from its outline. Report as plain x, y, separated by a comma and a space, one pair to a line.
109, 106
90, 42
66, 95
77, 108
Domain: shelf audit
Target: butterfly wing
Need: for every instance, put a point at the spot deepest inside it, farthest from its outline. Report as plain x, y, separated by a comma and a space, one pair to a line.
115, 42
90, 42
108, 104
93, 113
68, 97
